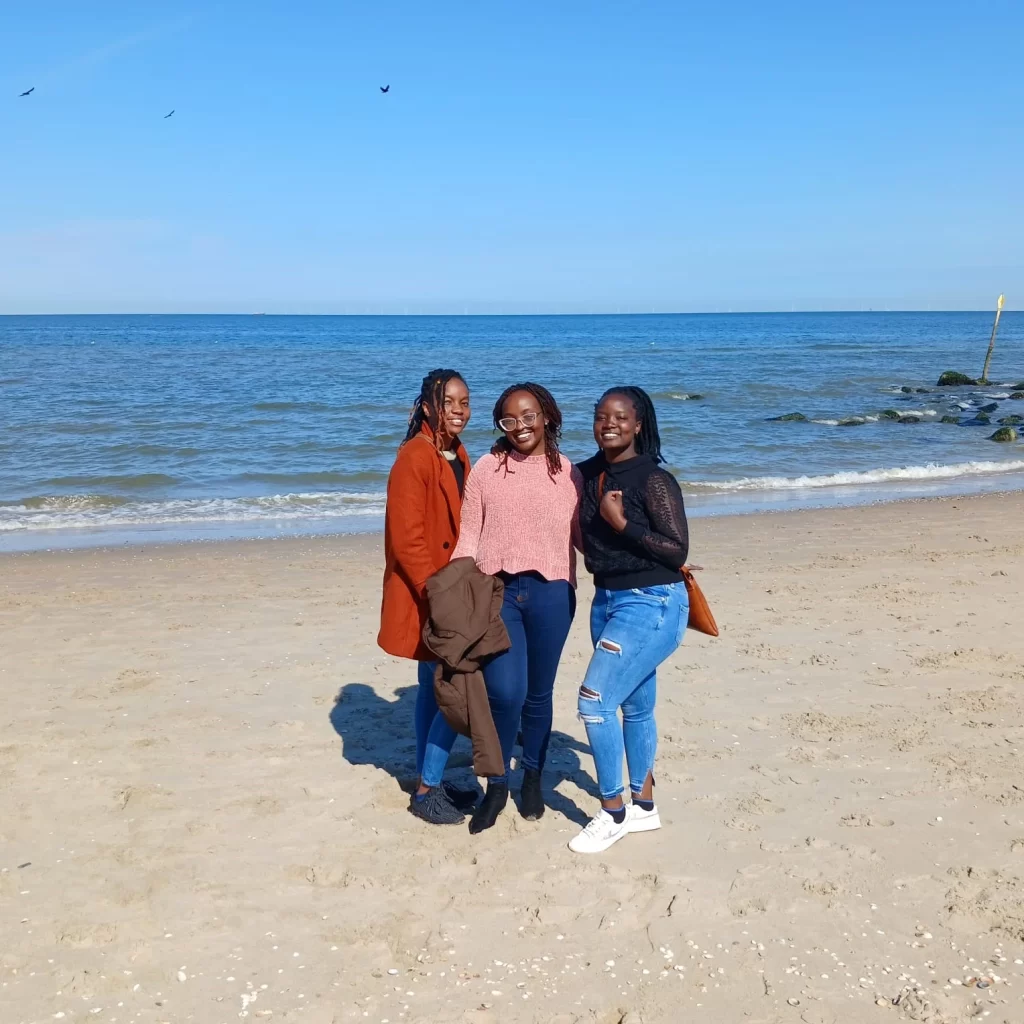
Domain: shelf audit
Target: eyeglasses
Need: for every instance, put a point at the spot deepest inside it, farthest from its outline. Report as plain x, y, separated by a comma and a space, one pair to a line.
509, 423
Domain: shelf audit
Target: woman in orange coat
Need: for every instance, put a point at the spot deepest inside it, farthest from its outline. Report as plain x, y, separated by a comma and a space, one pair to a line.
421, 527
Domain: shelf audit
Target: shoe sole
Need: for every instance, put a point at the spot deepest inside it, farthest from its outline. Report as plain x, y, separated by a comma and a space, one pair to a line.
461, 821
651, 824
606, 846
430, 821
532, 815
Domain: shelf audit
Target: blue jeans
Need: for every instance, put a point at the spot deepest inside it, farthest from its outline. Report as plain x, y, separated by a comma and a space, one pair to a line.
537, 614
633, 632
434, 736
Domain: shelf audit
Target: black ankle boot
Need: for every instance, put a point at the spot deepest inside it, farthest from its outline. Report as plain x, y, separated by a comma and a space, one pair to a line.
493, 804
531, 803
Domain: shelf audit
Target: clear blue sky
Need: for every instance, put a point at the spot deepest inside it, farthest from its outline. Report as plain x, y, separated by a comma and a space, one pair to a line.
563, 156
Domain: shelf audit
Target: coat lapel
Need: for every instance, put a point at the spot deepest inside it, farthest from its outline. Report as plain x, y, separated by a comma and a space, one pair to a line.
449, 487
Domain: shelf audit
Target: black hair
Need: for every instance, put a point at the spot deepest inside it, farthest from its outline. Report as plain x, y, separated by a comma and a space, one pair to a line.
431, 395
552, 424
648, 440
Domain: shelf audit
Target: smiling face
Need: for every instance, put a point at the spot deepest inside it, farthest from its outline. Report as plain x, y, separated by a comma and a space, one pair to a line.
526, 433
455, 413
616, 426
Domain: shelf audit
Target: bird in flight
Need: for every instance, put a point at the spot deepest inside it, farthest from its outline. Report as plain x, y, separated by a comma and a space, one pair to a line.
171, 114
385, 88
27, 92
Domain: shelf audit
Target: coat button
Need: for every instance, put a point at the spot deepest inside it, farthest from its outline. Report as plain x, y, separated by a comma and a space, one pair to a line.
446, 545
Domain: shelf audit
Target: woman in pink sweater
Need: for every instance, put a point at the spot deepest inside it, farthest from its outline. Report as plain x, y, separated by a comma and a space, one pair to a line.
519, 522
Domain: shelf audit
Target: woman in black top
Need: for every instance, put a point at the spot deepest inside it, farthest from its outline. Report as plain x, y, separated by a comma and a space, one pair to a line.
635, 541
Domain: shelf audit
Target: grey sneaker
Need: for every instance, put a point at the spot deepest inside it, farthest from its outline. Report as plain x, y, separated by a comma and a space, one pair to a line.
436, 808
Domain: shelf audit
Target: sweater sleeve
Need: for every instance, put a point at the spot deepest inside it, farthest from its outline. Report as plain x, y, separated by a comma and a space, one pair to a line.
577, 533
668, 539
472, 522
407, 488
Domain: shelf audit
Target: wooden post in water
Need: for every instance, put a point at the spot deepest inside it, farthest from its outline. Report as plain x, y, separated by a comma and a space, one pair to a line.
992, 340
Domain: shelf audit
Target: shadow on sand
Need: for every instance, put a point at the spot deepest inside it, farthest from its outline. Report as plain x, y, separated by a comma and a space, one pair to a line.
379, 732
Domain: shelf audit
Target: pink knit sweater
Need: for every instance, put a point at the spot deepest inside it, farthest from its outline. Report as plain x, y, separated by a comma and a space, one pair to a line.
515, 518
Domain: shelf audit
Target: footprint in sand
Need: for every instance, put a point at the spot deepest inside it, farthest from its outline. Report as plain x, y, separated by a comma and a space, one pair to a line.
749, 905
130, 680
742, 825
865, 821
757, 803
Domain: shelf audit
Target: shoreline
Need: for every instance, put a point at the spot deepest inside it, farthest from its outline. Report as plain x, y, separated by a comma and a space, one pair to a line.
743, 504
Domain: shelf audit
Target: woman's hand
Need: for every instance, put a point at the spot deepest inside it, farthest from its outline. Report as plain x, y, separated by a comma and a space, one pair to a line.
612, 512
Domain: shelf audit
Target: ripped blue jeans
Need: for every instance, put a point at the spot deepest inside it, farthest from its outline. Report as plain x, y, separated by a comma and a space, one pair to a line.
633, 632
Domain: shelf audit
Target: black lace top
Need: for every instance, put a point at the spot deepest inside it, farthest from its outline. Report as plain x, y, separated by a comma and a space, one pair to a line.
656, 540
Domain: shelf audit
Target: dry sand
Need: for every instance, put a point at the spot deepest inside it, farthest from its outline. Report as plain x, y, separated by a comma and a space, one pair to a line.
191, 829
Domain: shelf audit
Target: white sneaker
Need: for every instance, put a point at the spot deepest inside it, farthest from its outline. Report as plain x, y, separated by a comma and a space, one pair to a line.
640, 820
600, 832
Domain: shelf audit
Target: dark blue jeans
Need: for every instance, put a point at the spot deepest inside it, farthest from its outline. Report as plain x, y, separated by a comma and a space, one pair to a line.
537, 614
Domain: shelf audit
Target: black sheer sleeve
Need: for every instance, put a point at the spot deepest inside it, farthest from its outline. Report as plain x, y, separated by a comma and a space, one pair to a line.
668, 539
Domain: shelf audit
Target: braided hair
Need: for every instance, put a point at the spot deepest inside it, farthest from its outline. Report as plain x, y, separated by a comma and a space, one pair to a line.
648, 441
431, 396
552, 425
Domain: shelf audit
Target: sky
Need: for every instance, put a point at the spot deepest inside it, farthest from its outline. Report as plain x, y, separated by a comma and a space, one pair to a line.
529, 157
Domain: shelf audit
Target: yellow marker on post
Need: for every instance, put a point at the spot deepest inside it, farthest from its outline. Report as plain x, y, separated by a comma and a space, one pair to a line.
992, 340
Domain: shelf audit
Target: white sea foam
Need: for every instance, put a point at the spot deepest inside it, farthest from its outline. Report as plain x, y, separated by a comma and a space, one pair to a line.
84, 511
871, 476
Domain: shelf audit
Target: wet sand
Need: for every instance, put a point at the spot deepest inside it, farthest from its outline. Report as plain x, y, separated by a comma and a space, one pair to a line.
194, 827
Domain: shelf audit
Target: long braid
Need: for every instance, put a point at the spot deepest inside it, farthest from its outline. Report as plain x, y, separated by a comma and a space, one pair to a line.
648, 441
431, 395
552, 425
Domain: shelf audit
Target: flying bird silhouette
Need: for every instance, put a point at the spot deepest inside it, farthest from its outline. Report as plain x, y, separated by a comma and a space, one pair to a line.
171, 114
27, 92
385, 88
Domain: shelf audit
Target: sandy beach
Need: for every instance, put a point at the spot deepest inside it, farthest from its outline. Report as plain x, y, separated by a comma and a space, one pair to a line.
202, 819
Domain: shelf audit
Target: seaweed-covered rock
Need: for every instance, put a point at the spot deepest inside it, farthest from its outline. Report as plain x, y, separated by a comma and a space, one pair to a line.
1012, 421
1017, 396
910, 419
923, 391
950, 419
790, 417
906, 390
981, 420
991, 407
694, 398
952, 379
1004, 434
853, 421
889, 414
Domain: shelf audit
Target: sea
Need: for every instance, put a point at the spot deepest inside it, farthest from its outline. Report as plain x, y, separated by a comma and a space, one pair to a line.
141, 429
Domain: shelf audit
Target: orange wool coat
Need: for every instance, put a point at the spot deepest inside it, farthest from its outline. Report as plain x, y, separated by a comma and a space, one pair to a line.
421, 528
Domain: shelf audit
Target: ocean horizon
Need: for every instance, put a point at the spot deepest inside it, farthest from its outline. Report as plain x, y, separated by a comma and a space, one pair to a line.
145, 427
